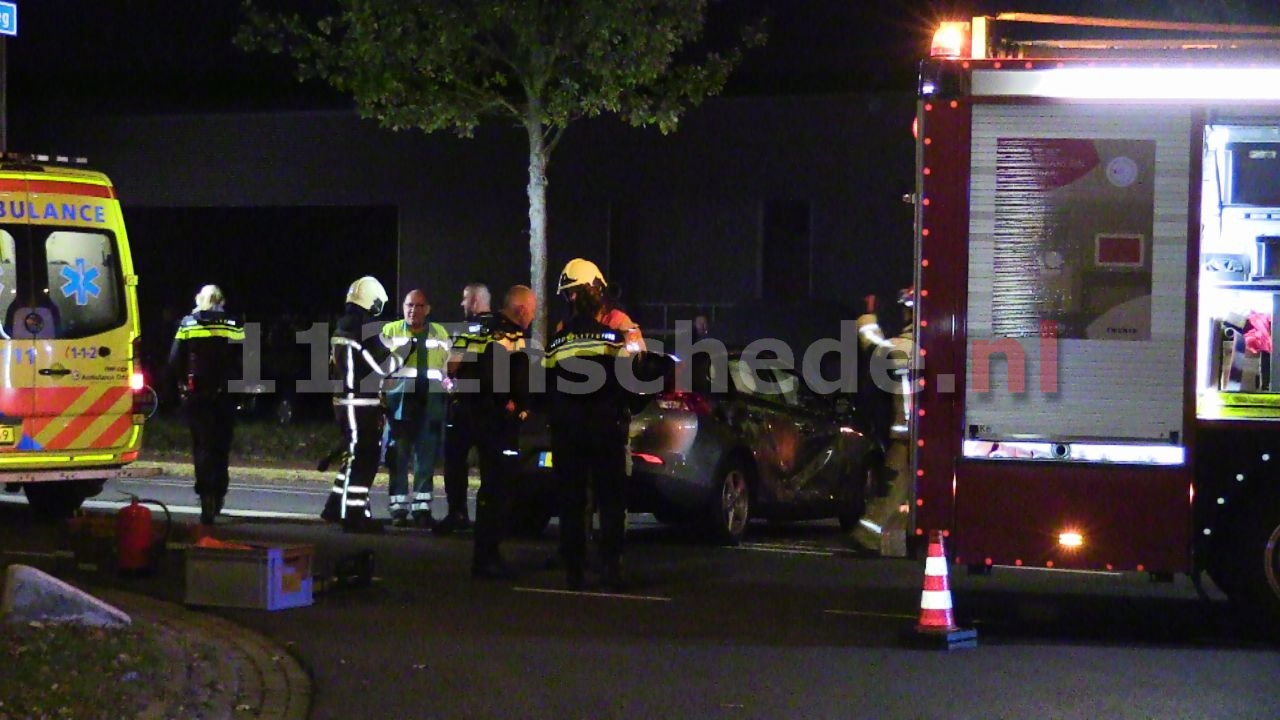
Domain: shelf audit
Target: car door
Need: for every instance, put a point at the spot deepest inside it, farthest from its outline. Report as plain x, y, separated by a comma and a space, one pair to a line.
811, 467
768, 424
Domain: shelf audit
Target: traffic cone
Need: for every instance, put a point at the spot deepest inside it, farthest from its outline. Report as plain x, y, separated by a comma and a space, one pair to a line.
937, 626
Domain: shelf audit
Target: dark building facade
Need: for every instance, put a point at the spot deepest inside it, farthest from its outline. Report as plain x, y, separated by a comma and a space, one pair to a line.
775, 200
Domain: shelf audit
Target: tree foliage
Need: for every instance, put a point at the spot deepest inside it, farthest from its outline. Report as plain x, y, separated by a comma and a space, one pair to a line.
451, 64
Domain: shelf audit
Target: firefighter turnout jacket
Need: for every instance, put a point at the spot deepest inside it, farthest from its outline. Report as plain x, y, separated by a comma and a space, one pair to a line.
896, 355
359, 364
202, 357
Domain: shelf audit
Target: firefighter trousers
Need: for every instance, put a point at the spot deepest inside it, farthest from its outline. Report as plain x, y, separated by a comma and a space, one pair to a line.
361, 427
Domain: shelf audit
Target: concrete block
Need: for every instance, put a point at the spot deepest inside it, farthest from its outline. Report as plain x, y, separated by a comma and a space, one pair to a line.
30, 594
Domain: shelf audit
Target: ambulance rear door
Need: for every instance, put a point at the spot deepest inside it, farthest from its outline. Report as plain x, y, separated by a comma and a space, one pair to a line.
79, 325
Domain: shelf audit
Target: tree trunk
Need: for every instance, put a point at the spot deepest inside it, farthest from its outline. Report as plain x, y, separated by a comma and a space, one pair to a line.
538, 225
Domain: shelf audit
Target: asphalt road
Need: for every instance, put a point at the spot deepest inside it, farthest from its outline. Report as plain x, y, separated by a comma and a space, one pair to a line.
785, 626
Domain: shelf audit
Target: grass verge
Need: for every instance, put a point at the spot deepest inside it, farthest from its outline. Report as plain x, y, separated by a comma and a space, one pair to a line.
254, 442
65, 670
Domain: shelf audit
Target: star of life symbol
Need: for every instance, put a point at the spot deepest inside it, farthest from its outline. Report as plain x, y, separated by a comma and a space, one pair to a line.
81, 282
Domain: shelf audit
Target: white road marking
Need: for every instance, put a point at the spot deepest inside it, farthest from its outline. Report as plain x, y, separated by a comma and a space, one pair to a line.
612, 596
234, 486
860, 613
783, 549
193, 510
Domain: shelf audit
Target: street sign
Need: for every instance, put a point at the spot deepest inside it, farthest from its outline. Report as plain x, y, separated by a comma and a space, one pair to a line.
8, 18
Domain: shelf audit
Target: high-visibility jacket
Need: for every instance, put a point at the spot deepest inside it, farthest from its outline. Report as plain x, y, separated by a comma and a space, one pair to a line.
489, 365
428, 357
579, 396
622, 322
203, 357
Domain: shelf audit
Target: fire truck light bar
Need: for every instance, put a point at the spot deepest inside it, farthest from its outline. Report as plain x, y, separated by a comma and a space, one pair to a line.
1132, 84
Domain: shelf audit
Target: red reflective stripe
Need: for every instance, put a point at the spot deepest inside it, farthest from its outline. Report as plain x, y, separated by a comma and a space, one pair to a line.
112, 435
81, 422
58, 187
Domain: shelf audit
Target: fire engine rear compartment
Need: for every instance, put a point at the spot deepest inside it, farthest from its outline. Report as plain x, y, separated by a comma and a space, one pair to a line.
1119, 247
1098, 246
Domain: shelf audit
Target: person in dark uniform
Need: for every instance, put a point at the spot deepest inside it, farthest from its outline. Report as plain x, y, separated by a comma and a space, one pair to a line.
461, 435
360, 356
589, 409
204, 361
493, 388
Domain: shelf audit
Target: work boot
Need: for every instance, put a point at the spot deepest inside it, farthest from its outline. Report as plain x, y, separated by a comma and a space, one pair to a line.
863, 542
332, 511
400, 520
452, 523
208, 508
423, 520
361, 524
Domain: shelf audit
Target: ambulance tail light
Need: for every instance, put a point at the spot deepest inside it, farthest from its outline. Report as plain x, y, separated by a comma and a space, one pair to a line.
137, 380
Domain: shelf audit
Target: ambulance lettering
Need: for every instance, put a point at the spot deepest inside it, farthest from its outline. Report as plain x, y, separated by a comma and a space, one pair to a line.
84, 212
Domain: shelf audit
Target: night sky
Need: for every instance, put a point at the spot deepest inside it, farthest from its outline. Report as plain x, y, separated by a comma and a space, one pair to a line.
175, 56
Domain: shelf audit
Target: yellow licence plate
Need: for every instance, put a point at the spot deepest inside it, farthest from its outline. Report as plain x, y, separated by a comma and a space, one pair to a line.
8, 434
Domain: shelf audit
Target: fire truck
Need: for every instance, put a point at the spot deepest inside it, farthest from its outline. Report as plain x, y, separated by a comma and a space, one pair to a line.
1097, 232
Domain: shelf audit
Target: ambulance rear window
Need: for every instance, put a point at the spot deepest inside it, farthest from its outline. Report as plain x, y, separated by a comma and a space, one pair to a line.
85, 282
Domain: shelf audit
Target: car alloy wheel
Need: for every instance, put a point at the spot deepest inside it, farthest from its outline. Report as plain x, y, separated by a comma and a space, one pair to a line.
731, 507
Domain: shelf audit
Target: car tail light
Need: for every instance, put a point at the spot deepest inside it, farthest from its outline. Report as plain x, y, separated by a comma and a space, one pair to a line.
686, 401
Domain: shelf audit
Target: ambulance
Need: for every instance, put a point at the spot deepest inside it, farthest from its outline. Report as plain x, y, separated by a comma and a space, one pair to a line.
73, 399
1097, 249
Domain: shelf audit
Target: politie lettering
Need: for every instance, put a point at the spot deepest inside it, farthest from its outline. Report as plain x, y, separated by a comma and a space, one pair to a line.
84, 212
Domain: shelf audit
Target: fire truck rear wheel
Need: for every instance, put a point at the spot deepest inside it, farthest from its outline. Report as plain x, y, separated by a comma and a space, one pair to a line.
1254, 568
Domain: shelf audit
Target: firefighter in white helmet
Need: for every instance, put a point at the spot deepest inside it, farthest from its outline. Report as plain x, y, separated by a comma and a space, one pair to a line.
360, 357
589, 408
881, 528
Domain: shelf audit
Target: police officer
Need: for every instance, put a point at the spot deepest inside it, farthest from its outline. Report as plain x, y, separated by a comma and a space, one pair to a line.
883, 517
589, 407
360, 357
204, 362
493, 387
462, 434
416, 405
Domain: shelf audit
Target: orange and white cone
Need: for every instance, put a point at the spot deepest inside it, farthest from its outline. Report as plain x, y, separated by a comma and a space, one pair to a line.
937, 625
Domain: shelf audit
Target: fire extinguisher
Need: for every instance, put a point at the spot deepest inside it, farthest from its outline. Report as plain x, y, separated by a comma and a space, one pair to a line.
135, 536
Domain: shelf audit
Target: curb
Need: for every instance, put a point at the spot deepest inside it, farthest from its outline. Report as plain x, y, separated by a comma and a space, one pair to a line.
253, 676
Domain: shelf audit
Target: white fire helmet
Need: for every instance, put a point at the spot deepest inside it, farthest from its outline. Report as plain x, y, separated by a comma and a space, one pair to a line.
368, 293
579, 273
